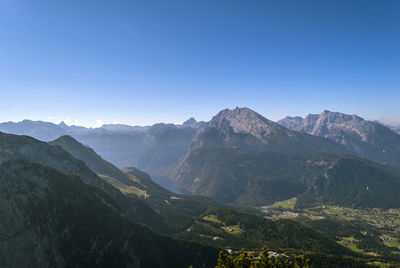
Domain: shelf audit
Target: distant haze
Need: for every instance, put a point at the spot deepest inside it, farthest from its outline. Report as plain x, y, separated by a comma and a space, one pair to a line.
142, 62
99, 123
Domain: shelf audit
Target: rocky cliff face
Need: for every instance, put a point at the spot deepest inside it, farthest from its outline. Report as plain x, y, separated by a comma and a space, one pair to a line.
246, 121
364, 138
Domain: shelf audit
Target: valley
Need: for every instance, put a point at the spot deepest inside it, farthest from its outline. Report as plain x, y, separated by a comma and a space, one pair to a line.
369, 231
244, 182
199, 134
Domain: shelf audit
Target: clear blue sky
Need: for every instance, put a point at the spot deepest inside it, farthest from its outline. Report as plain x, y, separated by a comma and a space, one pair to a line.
141, 62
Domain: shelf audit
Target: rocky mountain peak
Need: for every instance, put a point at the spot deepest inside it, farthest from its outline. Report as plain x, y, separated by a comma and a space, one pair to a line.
291, 122
245, 120
193, 123
368, 139
67, 138
62, 124
318, 124
338, 118
189, 122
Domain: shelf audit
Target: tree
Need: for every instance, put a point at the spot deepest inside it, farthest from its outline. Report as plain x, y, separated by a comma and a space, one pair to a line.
246, 260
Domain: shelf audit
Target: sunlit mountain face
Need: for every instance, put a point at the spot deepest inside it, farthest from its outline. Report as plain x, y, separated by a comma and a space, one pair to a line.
199, 134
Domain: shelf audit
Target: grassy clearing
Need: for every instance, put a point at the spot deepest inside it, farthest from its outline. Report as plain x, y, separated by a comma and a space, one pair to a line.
339, 212
390, 241
133, 178
288, 204
392, 244
125, 189
313, 217
350, 243
212, 218
378, 264
233, 229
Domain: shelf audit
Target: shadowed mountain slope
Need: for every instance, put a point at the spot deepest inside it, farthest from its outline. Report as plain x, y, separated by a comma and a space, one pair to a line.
51, 219
27, 148
177, 211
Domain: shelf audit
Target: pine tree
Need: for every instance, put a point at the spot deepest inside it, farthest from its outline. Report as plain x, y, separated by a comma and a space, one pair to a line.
246, 260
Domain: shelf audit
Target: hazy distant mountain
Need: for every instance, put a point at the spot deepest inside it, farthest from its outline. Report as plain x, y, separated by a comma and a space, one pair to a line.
367, 139
166, 144
38, 129
395, 128
51, 219
191, 122
124, 128
242, 157
71, 129
153, 149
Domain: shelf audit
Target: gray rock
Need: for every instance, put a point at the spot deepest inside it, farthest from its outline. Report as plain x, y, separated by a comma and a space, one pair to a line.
364, 138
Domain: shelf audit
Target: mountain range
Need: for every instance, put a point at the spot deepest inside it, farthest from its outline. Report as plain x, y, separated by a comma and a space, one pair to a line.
64, 206
150, 148
367, 139
55, 189
56, 212
241, 157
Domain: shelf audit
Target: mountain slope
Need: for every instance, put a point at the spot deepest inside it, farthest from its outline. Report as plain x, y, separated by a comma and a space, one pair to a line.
91, 158
237, 230
354, 182
241, 157
27, 148
177, 211
260, 178
167, 143
364, 138
396, 128
50, 219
